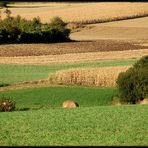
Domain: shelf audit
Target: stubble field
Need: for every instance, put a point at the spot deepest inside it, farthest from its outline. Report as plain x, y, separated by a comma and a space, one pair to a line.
81, 12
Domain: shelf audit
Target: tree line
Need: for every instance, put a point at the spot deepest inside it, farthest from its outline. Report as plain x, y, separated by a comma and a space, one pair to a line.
20, 30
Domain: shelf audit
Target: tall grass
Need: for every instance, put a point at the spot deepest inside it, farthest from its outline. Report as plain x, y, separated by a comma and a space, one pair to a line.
100, 77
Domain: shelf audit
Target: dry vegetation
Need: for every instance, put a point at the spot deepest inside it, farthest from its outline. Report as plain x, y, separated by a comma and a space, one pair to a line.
11, 50
82, 12
100, 77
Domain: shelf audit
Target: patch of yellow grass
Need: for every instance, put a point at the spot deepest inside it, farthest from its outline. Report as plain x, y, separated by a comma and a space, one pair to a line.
83, 12
99, 77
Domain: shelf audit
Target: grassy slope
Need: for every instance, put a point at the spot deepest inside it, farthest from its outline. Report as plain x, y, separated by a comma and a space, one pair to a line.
55, 96
12, 74
110, 125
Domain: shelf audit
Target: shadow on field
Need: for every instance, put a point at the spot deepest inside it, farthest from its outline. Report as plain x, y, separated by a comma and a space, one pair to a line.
22, 109
52, 42
35, 108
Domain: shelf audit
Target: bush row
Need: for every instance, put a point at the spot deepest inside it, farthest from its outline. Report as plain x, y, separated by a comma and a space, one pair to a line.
20, 30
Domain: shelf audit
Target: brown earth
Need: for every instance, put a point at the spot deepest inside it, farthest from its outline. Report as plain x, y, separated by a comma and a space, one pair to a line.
29, 84
13, 50
74, 57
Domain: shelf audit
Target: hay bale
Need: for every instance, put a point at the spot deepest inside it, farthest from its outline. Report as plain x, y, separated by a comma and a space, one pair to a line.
70, 104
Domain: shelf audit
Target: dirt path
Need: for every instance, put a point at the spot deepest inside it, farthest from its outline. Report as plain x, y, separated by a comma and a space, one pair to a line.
25, 85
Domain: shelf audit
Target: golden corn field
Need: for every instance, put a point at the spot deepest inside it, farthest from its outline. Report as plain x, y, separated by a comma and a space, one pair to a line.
99, 77
81, 12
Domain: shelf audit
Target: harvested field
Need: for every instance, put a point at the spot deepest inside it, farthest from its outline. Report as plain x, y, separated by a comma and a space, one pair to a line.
132, 29
136, 23
10, 50
100, 77
105, 32
81, 12
74, 57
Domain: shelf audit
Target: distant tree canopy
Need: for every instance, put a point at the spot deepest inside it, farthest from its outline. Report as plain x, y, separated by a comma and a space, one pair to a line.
20, 30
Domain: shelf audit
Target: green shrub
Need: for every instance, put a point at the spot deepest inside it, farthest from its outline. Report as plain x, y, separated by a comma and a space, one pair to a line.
133, 84
7, 105
3, 84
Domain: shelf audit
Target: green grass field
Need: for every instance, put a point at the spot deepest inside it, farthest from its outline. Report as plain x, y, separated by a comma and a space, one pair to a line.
40, 120
54, 96
11, 74
86, 126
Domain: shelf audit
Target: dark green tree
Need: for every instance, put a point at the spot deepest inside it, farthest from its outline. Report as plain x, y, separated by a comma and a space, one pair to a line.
133, 84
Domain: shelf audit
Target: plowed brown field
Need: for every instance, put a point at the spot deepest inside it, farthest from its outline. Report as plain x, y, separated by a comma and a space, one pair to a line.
74, 57
11, 50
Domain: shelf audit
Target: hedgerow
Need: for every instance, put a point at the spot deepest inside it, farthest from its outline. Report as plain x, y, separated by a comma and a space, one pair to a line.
19, 30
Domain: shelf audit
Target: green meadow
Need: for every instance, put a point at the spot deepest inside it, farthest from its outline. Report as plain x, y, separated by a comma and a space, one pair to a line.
52, 97
40, 120
85, 126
